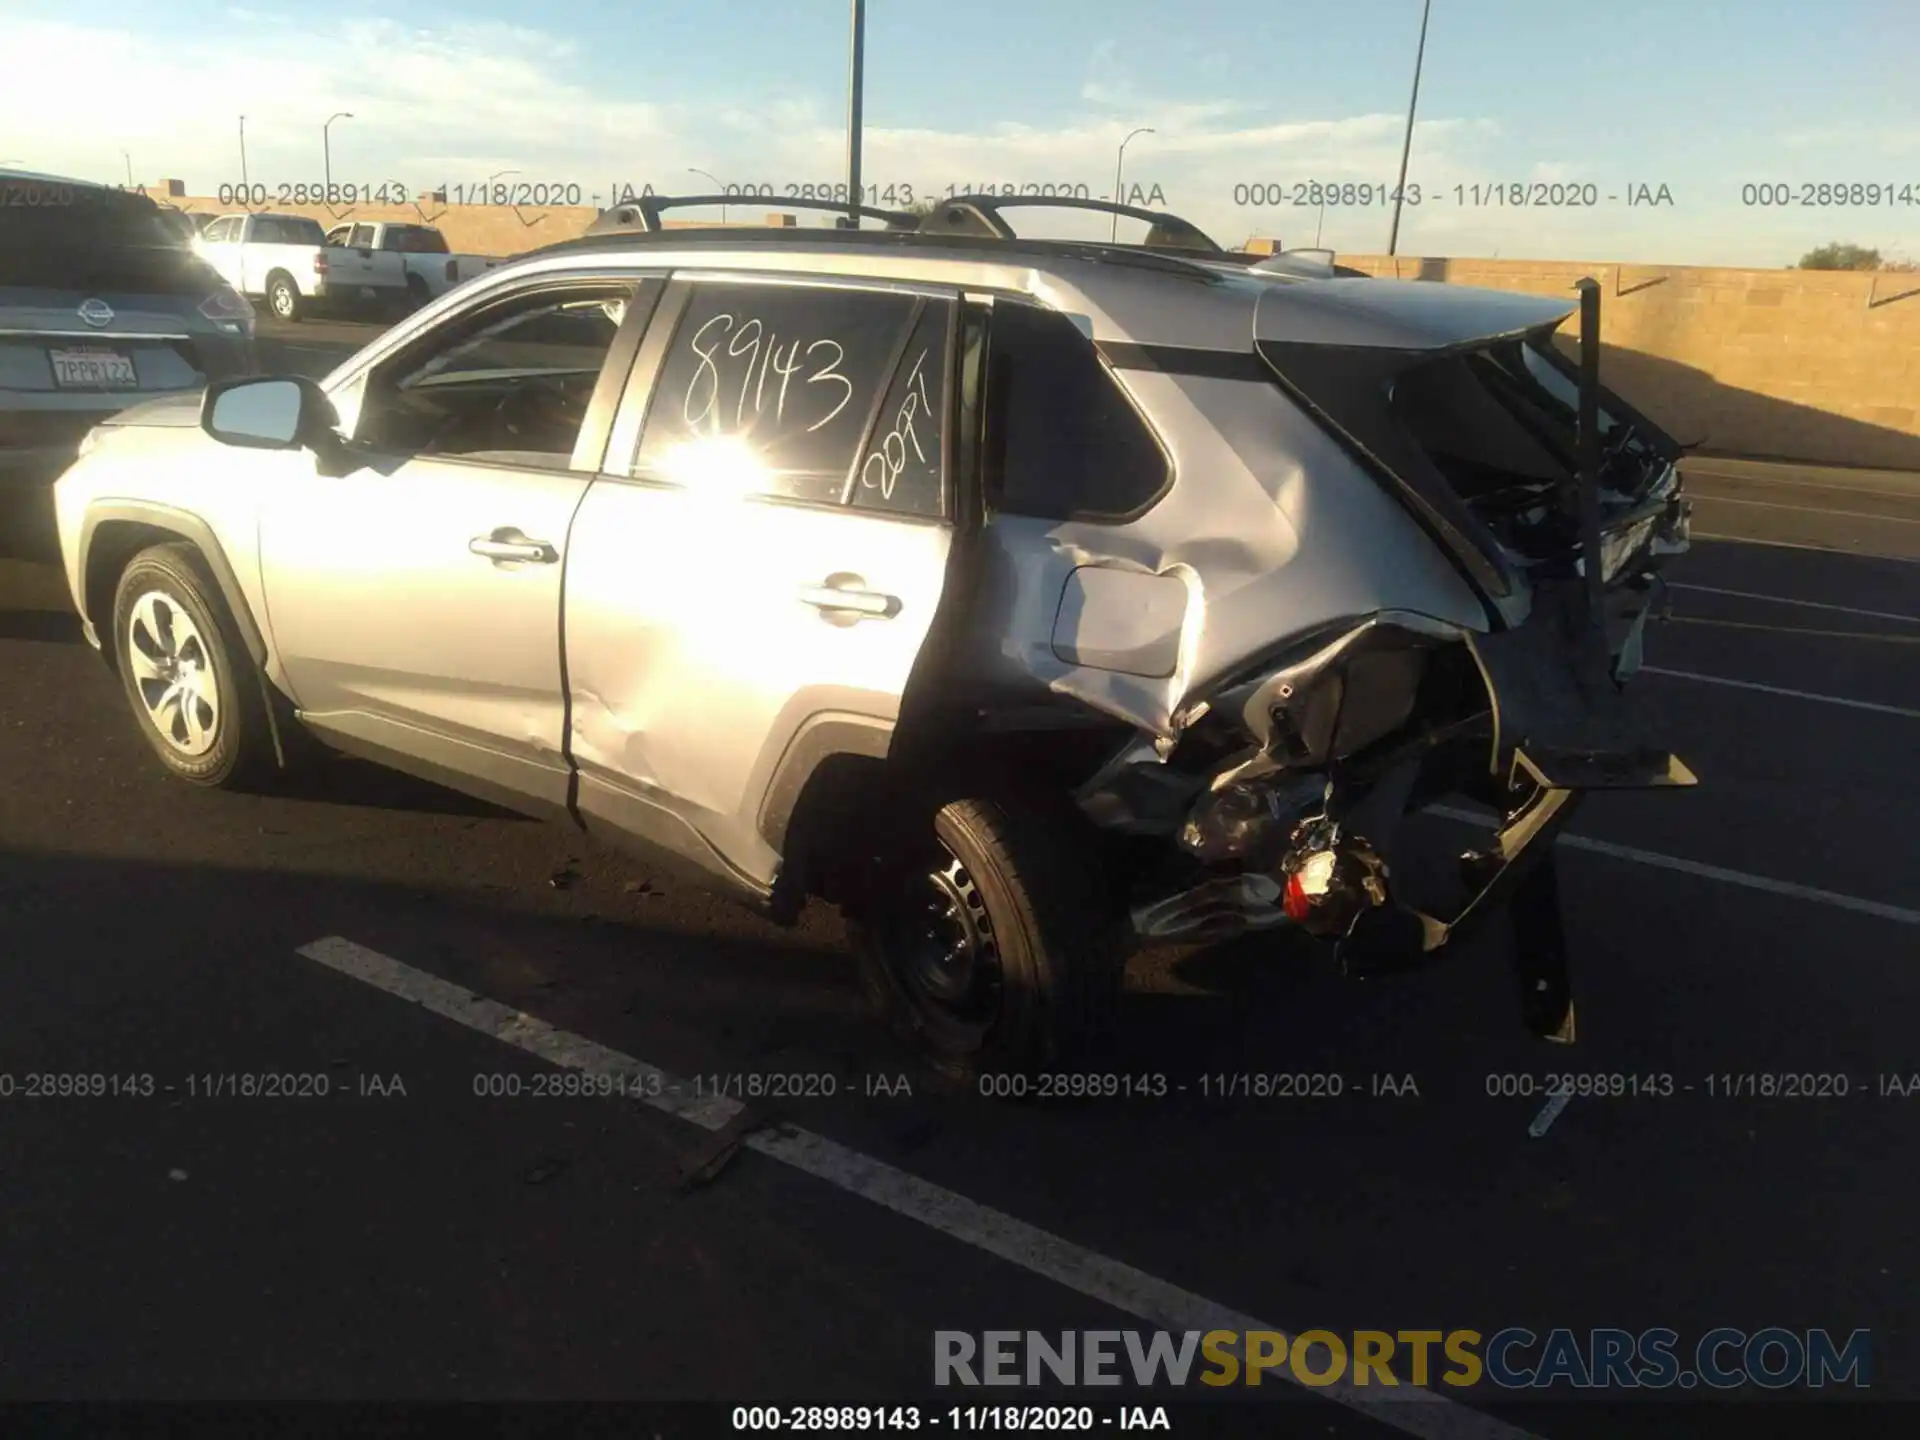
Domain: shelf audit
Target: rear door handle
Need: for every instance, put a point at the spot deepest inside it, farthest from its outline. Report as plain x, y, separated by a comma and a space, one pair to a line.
512, 545
843, 598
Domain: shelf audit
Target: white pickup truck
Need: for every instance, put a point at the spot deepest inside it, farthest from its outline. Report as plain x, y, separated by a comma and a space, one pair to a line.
287, 259
432, 269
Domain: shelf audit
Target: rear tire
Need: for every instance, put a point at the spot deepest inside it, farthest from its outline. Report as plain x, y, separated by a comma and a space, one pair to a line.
284, 299
989, 941
196, 694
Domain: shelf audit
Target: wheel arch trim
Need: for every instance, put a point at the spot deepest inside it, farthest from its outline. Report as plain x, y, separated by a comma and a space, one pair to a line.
186, 526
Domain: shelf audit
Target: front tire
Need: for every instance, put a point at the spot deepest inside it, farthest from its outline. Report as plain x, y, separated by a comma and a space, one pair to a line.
990, 942
283, 298
195, 693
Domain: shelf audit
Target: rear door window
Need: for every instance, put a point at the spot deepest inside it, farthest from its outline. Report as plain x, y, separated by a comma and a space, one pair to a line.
1063, 441
771, 389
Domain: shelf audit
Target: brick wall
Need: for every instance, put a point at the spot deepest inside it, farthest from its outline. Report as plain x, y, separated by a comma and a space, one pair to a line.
1809, 365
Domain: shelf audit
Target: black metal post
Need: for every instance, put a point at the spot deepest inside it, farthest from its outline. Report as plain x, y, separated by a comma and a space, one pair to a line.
1589, 443
856, 81
1406, 145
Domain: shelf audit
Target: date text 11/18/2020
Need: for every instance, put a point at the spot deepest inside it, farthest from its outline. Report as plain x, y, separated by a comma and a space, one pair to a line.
885, 195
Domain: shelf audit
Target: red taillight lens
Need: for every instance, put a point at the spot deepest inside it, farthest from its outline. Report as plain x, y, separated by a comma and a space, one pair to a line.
320, 263
226, 304
1295, 900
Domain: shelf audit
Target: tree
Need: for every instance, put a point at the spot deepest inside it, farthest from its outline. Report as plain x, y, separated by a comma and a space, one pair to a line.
1838, 256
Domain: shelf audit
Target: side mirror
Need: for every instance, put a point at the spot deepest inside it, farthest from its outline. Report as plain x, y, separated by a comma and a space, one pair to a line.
268, 414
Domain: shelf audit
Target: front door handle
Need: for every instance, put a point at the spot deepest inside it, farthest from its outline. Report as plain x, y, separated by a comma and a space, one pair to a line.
844, 599
509, 544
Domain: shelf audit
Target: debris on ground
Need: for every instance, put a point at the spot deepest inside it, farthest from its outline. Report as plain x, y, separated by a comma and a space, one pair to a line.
639, 887
544, 1171
704, 1165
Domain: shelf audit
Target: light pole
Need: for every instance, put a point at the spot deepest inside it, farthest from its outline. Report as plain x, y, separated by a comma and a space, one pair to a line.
246, 190
326, 148
718, 189
856, 80
1406, 146
129, 159
1119, 162
495, 176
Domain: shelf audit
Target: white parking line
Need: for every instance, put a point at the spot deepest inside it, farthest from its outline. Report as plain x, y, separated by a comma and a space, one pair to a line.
1852, 551
1405, 1408
1549, 1113
1872, 705
1800, 631
1805, 604
1877, 908
1808, 510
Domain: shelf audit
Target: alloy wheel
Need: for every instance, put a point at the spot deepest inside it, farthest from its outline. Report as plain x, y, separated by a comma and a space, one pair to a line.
173, 672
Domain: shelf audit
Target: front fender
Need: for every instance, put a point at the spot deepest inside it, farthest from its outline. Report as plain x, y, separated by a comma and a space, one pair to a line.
151, 515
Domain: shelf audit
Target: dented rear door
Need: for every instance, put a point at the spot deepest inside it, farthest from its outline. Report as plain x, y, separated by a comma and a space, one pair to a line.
762, 558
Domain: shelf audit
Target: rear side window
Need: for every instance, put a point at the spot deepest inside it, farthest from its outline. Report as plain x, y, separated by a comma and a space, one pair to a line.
1063, 441
771, 390
415, 240
287, 230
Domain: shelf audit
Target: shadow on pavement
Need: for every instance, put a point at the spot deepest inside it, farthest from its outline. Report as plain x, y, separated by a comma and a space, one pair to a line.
340, 780
50, 626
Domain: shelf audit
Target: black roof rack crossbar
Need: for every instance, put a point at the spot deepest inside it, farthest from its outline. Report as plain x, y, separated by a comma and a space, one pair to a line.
650, 207
985, 211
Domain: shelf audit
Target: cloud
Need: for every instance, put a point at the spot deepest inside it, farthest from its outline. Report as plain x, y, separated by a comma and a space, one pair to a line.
1854, 142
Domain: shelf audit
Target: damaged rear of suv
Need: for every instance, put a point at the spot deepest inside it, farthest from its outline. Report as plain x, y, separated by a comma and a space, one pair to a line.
1351, 575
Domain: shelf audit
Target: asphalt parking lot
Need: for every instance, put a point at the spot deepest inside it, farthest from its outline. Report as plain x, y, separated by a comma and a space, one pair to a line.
408, 1235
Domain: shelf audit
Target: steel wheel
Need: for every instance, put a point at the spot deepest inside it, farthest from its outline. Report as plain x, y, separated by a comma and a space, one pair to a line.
941, 942
173, 674
991, 944
283, 300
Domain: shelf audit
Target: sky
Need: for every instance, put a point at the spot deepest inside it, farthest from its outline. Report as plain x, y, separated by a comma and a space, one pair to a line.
1688, 106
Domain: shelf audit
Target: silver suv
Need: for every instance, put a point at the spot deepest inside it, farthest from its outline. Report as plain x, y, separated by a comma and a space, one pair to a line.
1027, 600
101, 305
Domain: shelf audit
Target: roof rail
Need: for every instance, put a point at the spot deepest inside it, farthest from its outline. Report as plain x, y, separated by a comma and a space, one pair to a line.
643, 212
980, 215
632, 235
